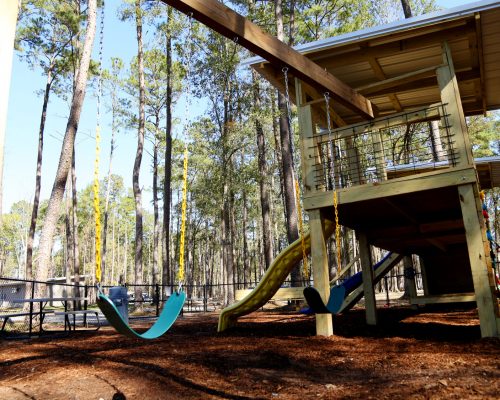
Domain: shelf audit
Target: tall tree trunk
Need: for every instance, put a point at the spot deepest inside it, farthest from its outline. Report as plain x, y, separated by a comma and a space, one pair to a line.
287, 158
138, 158
167, 185
263, 186
156, 232
74, 228
49, 226
38, 180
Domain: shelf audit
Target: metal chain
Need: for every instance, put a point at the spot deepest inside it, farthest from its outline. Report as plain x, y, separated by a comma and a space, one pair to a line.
296, 179
332, 177
331, 152
180, 272
97, 208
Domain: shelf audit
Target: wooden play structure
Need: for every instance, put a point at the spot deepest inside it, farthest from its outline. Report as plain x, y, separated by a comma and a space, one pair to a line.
382, 127
382, 84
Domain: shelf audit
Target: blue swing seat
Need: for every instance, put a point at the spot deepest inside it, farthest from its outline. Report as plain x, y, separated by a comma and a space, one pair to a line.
169, 314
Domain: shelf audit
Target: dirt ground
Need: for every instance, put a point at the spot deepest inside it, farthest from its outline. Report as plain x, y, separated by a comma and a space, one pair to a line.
435, 353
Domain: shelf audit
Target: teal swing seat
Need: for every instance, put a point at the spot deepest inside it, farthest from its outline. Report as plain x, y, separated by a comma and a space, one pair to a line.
169, 314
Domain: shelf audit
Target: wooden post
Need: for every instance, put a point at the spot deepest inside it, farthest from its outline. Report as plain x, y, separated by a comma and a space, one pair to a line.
455, 120
319, 258
482, 274
366, 266
8, 20
410, 278
308, 149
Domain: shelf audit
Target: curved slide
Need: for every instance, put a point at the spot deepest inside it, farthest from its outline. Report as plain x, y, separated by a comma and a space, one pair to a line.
270, 282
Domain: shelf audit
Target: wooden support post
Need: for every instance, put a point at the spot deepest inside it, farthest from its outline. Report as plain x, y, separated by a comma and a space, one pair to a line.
455, 119
308, 149
423, 271
482, 274
410, 278
366, 266
8, 20
319, 258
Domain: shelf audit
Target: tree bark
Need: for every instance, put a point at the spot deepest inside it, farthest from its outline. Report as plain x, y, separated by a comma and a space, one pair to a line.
138, 159
74, 228
263, 186
38, 180
49, 226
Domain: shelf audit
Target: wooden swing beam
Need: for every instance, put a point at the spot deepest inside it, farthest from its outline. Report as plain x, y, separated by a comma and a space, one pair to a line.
232, 25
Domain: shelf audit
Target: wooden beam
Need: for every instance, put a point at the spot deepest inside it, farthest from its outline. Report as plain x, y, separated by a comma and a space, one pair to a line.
397, 81
232, 25
443, 298
482, 274
368, 283
368, 191
455, 120
480, 57
379, 73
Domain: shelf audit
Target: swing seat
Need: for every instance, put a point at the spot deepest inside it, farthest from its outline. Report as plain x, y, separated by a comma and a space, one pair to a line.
340, 292
169, 314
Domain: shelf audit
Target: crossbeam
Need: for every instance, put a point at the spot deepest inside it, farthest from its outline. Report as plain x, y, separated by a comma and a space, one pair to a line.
232, 25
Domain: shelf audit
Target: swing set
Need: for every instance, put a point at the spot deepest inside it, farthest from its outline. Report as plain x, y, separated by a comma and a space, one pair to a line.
175, 302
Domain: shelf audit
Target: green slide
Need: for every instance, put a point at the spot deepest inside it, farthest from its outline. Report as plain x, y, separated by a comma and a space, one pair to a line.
169, 314
271, 281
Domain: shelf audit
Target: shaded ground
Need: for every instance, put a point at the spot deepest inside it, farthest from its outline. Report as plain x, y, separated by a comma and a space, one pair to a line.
433, 354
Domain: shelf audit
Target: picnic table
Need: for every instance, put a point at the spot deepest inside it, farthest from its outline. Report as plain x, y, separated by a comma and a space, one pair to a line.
42, 302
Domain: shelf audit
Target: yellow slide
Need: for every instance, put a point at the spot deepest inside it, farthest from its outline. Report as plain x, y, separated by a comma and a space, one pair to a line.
271, 281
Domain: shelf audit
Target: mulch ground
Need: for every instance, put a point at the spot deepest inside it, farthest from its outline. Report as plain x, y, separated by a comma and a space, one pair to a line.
435, 353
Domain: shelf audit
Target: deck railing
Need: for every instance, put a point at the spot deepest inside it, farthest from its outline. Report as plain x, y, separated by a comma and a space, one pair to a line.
386, 148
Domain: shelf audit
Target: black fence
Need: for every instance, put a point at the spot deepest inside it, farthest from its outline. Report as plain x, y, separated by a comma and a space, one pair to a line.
26, 305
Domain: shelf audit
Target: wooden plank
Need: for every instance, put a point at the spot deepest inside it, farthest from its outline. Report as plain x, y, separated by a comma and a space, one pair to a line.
319, 258
482, 275
443, 298
234, 26
367, 272
398, 80
291, 293
480, 56
393, 187
379, 73
309, 150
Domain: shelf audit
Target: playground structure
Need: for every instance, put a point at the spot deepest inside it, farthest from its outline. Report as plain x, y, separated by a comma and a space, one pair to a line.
408, 196
437, 67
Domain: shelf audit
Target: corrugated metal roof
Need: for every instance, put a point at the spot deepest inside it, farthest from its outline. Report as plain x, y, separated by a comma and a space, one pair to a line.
397, 26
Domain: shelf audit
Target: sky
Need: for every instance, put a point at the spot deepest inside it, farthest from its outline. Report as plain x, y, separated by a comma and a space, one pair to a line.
24, 118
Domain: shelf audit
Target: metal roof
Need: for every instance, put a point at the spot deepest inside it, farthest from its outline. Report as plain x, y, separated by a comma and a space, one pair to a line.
393, 27
377, 61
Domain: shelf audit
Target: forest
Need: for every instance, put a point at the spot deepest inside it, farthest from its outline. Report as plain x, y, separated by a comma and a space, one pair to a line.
185, 88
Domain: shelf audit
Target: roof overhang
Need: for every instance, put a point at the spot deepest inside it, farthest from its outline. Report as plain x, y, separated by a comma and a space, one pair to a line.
404, 54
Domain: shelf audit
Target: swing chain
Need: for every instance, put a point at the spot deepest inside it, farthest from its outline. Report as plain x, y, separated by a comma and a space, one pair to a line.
97, 208
331, 147
295, 178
